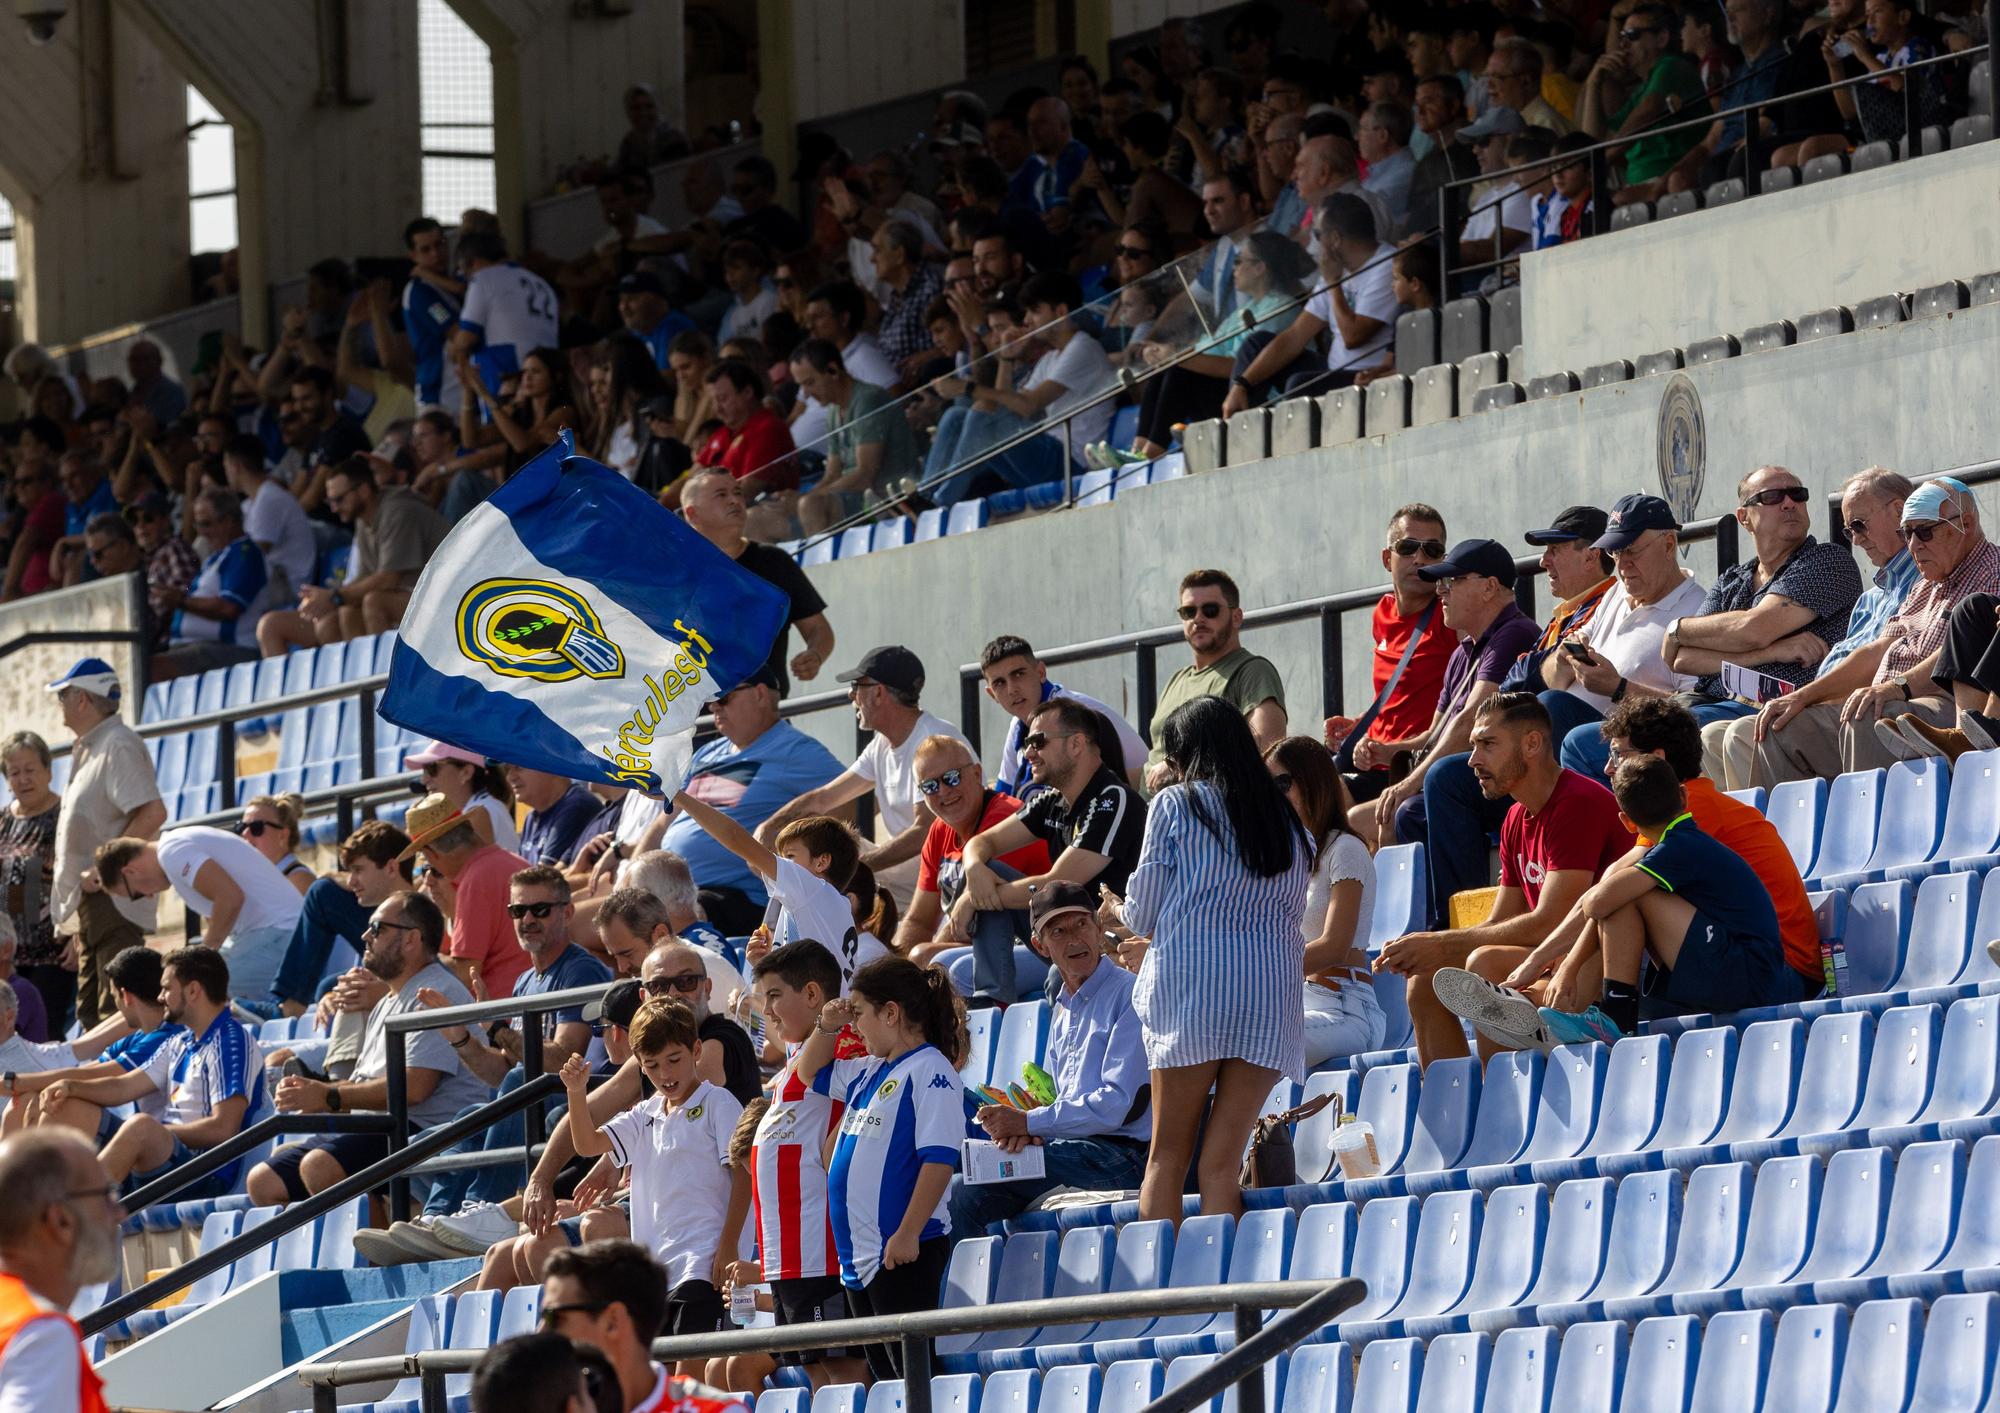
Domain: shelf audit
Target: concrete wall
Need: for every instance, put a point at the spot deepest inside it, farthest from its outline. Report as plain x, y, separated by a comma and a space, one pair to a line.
1917, 397
26, 704
1667, 284
564, 226
93, 156
853, 53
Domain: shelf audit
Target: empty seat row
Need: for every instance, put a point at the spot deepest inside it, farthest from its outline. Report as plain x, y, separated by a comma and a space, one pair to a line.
325, 1243
1459, 330
475, 1319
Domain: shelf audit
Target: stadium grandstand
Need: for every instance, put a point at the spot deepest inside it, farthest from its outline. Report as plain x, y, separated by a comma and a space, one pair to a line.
1472, 888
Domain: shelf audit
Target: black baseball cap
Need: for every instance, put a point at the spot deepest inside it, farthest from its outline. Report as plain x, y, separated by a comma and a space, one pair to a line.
1487, 557
762, 677
660, 407
618, 1005
1579, 522
1631, 517
642, 282
893, 666
1052, 900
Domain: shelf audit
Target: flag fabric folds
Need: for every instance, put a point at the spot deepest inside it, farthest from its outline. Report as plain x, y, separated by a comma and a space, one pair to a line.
572, 624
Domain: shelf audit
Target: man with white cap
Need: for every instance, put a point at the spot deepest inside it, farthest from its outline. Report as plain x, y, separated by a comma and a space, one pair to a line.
112, 793
1095, 1133
1829, 725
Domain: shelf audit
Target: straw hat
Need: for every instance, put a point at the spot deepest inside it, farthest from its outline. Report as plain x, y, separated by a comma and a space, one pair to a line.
430, 817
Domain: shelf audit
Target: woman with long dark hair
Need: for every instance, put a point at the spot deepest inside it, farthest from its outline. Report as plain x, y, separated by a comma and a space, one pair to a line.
1220, 891
623, 381
1342, 1015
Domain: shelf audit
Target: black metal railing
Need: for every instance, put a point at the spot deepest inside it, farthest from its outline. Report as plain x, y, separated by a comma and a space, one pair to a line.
248, 1140
1309, 1306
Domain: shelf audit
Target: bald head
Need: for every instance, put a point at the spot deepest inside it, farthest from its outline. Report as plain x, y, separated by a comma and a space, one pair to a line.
1049, 126
672, 961
1316, 172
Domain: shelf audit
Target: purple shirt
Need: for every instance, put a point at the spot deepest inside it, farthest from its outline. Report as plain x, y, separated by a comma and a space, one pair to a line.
1486, 658
31, 1020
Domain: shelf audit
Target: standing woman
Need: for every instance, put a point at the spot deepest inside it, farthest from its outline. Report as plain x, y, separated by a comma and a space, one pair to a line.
1342, 1015
27, 870
271, 824
476, 789
1220, 889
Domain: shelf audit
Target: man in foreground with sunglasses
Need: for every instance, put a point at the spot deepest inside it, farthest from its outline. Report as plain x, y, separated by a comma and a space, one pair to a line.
1831, 724
1211, 622
1780, 611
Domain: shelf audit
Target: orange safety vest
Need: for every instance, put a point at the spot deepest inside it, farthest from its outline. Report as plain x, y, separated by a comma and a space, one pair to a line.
19, 1305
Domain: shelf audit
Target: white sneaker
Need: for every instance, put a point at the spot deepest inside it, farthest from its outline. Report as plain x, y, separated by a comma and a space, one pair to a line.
1500, 1013
1893, 740
403, 1243
476, 1228
1097, 456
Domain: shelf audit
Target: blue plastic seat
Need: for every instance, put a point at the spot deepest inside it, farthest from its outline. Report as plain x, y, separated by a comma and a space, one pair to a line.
1170, 467
1565, 1112
1402, 894
1961, 1350
329, 669
1660, 1365
1884, 1340
1966, 1076
1918, 1230
473, 1317
892, 533
181, 695
1572, 1254
1878, 931
1805, 1359
429, 1329
930, 526
1973, 1262
1697, 1093
968, 1282
1513, 1232
170, 767
1521, 1374
1645, 1220
1448, 1228
979, 1026
1070, 1388
1323, 1241
1140, 1260
818, 552
1831, 1078
521, 1312
1914, 797
965, 516
1784, 1209
1901, 1067
1124, 428
1848, 1230
1971, 817
955, 1393
1506, 1109
1941, 932
1201, 1257
154, 706
1011, 1391
1630, 1106
1095, 487
1447, 1107
1391, 1372
1797, 808
1761, 1086
1129, 1385
1847, 834
1312, 1138
1383, 1250
1981, 967
1755, 796
1455, 1373
210, 690
1591, 1369
853, 542
1319, 1378
783, 1400
1027, 1271
1260, 1250
1715, 1210
1191, 1366
885, 1396
1024, 1029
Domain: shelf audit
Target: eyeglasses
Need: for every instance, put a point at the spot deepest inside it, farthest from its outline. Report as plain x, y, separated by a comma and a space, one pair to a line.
1797, 495
1925, 531
687, 983
1039, 740
552, 1313
517, 911
1429, 549
1629, 34
855, 688
374, 929
1134, 252
1211, 609
1857, 528
948, 780
782, 283
1283, 782
255, 827
433, 767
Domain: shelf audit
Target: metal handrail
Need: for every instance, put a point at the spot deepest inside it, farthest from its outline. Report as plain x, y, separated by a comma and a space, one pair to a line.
297, 1214
1312, 1305
243, 1141
1145, 643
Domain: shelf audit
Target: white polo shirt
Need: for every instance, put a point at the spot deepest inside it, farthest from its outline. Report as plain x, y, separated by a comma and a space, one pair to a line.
1629, 638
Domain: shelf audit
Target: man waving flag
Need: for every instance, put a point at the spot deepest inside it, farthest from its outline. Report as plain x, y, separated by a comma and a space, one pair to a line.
571, 624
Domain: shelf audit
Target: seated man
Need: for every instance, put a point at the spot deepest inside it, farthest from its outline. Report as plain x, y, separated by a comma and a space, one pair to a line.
1094, 1136
20, 1057
559, 811
336, 910
1830, 724
403, 937
1579, 576
1560, 834
1086, 810
216, 617
467, 883
949, 778
1017, 682
135, 972
1779, 612
209, 1074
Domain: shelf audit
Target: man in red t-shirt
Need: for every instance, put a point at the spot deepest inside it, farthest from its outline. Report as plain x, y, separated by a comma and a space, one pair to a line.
1561, 833
950, 781
753, 443
1416, 538
469, 880
28, 568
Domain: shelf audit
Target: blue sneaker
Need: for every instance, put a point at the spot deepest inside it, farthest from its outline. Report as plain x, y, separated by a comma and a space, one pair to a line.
1580, 1028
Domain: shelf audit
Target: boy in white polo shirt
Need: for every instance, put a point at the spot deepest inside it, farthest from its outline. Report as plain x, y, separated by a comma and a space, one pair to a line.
688, 1201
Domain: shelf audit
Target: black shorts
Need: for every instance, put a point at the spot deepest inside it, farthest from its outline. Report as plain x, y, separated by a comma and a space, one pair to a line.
693, 1307
807, 1301
353, 1151
1718, 971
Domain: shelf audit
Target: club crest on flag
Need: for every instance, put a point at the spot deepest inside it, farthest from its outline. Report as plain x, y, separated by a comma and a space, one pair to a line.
532, 628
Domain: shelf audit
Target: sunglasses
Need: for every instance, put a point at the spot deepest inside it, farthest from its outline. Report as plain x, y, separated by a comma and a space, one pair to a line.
1134, 252
1628, 35
374, 929
552, 1313
517, 911
946, 781
1797, 495
1211, 609
687, 983
255, 827
1429, 549
1856, 529
1923, 532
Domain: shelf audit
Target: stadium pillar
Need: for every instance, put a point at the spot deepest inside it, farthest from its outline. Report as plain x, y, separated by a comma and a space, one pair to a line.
1093, 32
777, 86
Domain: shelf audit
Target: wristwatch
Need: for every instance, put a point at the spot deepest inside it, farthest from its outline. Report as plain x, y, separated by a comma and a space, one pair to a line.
337, 600
333, 1105
1618, 692
1902, 680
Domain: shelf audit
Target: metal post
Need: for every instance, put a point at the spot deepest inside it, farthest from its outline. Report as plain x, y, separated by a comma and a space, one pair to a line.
343, 816
1249, 1392
1992, 44
1524, 592
1725, 543
397, 1078
916, 1374
1147, 686
968, 710
1600, 192
1332, 670
225, 765
535, 1117
430, 1395
864, 808
365, 704
326, 1399
1447, 246
1069, 465
1753, 170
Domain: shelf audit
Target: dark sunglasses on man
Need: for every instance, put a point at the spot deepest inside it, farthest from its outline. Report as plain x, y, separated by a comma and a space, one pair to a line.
687, 983
1797, 495
1429, 549
255, 827
517, 911
945, 780
1211, 609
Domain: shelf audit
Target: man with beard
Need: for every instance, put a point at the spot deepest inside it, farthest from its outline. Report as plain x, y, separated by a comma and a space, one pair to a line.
1212, 622
58, 1234
403, 940
209, 1073
1560, 834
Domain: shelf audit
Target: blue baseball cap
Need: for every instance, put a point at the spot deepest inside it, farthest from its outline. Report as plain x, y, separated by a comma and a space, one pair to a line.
93, 675
1632, 517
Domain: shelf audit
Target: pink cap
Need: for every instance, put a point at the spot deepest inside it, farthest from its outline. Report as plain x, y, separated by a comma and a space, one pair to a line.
439, 750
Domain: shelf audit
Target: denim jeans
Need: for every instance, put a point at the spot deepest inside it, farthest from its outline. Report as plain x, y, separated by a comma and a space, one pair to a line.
995, 975
331, 914
453, 1191
1090, 1164
1577, 726
1451, 819
254, 955
977, 432
1030, 971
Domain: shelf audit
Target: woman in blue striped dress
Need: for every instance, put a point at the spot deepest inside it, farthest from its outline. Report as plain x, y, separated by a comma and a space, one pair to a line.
1220, 889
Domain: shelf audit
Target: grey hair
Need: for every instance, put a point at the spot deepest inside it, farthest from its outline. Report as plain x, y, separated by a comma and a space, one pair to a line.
110, 523
639, 911
10, 1003
1524, 50
26, 741
223, 504
664, 874
906, 238
456, 839
1879, 482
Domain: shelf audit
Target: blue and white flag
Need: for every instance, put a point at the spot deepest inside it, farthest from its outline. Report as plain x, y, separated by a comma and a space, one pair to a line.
574, 625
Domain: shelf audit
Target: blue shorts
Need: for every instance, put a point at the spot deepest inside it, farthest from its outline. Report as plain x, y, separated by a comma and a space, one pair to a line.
1721, 971
216, 1184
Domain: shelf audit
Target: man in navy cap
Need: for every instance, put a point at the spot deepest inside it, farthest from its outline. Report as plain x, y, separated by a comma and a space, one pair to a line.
1618, 653
642, 305
112, 793
1476, 593
1579, 576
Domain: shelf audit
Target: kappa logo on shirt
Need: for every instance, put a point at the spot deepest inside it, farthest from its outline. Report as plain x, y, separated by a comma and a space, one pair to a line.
939, 1081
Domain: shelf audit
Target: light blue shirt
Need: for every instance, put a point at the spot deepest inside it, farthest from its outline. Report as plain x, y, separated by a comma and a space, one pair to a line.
747, 785
1874, 609
1097, 1057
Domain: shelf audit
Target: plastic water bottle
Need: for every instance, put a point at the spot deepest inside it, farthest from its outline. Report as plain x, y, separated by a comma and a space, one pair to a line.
743, 1304
1354, 1148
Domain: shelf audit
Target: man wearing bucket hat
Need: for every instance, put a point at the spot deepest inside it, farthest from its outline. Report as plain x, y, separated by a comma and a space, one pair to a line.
112, 793
1094, 1134
468, 879
1829, 725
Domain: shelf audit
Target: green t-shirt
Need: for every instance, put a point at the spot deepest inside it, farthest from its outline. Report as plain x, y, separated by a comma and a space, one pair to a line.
1649, 157
1242, 679
871, 416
